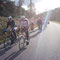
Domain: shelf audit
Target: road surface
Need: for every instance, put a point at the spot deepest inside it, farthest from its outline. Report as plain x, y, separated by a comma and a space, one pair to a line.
43, 46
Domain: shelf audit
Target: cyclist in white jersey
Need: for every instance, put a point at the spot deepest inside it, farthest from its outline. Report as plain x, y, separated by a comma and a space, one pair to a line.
24, 27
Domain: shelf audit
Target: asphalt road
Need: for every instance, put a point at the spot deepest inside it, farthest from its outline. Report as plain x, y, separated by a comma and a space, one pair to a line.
43, 46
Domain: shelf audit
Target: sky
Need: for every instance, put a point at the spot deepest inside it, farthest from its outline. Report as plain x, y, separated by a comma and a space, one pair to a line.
42, 5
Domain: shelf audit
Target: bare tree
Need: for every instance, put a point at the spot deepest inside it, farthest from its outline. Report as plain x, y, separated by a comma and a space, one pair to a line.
20, 4
31, 7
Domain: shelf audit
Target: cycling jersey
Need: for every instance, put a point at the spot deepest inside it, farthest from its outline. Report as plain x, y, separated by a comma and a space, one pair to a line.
10, 23
23, 24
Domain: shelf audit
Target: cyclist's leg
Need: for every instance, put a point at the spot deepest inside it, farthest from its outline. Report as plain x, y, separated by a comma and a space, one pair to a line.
27, 36
41, 27
11, 41
11, 38
14, 34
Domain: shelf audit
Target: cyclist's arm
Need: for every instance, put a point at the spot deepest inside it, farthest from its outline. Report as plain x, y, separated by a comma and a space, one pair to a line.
7, 24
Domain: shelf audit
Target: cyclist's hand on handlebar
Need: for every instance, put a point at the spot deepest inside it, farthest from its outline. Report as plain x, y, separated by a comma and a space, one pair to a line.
5, 29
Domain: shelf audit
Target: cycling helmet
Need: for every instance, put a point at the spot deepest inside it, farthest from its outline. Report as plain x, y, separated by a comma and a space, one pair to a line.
22, 17
10, 17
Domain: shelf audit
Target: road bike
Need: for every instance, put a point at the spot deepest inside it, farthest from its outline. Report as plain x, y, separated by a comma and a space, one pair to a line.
25, 37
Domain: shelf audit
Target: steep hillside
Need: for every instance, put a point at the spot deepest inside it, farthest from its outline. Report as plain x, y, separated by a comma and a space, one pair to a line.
55, 15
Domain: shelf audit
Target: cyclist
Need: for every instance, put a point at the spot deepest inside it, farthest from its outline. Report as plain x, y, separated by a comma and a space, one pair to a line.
32, 24
39, 23
24, 27
11, 23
